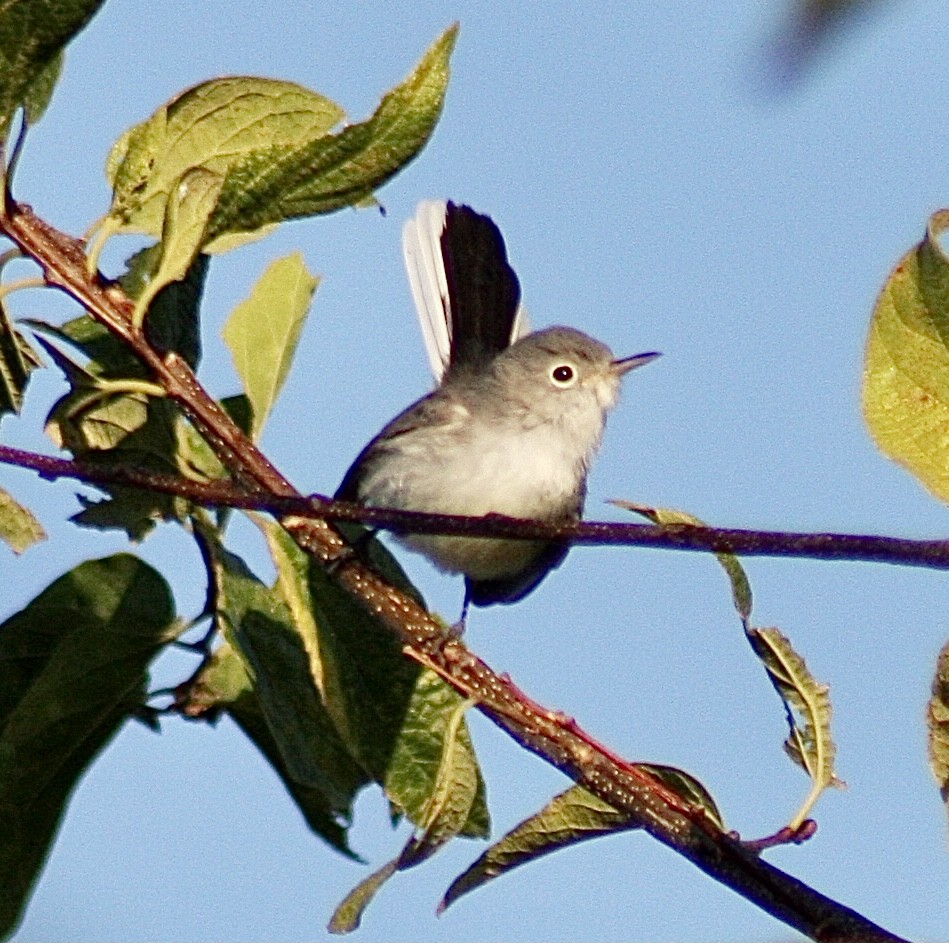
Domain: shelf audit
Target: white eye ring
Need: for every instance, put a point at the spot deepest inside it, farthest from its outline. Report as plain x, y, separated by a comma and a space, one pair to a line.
563, 375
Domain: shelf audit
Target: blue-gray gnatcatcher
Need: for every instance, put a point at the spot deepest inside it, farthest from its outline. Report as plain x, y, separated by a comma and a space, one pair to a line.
515, 419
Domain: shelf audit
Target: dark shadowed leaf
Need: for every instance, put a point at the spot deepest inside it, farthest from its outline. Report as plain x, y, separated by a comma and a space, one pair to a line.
111, 416
40, 92
223, 683
393, 715
32, 36
73, 667
259, 626
17, 361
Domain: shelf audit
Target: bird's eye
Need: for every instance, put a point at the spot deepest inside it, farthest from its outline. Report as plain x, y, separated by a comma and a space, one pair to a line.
563, 375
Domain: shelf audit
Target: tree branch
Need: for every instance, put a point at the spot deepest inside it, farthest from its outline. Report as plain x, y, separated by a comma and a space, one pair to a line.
932, 554
551, 736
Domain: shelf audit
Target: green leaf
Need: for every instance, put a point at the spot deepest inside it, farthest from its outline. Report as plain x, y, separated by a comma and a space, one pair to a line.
223, 683
187, 212
212, 126
741, 588
688, 788
262, 332
457, 789
73, 668
433, 774
40, 92
112, 416
569, 818
937, 724
19, 529
906, 363
348, 914
258, 624
807, 704
328, 172
32, 36
172, 322
17, 361
391, 713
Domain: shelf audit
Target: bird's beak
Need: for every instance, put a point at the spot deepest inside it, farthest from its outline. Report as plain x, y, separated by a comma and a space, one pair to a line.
625, 364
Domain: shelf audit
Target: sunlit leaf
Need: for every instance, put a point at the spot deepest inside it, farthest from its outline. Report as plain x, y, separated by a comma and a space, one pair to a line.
212, 127
573, 816
73, 667
187, 212
456, 787
809, 743
937, 723
262, 331
348, 914
456, 790
19, 529
906, 363
329, 172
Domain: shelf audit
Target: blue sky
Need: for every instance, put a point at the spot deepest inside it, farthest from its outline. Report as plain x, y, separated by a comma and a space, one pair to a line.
659, 192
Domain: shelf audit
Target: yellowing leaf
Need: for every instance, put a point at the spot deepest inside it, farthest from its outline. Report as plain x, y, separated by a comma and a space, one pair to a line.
937, 722
19, 529
906, 363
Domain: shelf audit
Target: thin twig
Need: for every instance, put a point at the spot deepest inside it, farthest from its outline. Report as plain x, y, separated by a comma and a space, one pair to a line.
933, 554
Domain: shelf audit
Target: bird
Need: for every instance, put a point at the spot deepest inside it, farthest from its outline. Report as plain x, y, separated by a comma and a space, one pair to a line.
512, 424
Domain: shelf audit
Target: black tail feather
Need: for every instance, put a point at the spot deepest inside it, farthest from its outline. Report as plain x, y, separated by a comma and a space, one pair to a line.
482, 286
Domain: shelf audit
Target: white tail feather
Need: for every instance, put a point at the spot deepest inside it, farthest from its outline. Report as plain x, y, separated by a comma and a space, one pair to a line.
421, 249
422, 252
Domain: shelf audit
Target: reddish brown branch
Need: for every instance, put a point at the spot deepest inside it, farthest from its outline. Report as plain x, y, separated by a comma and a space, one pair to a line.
544, 732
